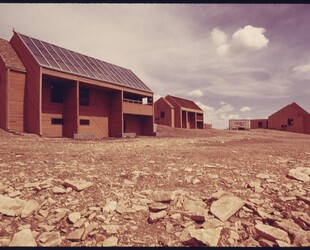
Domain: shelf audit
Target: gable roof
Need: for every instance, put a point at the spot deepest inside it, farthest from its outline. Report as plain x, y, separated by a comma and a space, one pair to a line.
182, 103
9, 56
295, 107
57, 58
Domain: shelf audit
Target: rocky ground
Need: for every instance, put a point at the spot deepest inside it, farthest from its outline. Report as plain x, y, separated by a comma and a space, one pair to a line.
193, 188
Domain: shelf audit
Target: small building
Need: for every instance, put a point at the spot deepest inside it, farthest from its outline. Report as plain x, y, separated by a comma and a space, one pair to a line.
259, 123
291, 118
178, 112
54, 92
239, 124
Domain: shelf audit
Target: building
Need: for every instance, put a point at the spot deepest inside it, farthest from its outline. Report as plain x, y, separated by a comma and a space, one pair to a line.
291, 118
239, 124
178, 112
259, 123
55, 92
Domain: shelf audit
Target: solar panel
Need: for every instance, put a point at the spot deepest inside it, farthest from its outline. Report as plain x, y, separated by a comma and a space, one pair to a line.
57, 58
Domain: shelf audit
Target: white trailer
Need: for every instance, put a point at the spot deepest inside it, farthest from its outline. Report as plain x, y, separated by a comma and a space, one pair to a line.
239, 124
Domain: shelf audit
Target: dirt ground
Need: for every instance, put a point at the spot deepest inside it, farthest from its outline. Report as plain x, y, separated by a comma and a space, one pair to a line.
126, 174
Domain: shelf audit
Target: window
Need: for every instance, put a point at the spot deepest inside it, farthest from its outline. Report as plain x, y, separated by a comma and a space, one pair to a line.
57, 121
290, 122
162, 114
84, 122
84, 97
260, 124
57, 95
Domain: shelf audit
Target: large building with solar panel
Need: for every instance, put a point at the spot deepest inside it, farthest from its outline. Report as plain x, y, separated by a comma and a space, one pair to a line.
55, 92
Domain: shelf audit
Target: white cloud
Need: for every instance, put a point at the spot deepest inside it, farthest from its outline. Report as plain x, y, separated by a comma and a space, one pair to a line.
248, 38
245, 109
195, 93
302, 72
218, 117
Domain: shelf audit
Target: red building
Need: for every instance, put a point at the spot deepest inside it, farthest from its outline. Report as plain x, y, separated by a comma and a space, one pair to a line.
259, 123
54, 92
291, 118
178, 112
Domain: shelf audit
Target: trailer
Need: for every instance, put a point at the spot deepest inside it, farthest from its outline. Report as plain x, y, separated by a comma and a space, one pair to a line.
239, 124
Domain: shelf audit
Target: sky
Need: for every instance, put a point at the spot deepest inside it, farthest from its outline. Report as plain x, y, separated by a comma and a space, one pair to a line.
236, 61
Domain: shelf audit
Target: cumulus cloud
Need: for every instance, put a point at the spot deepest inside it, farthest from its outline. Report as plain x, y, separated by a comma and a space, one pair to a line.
245, 109
218, 117
302, 72
246, 39
195, 93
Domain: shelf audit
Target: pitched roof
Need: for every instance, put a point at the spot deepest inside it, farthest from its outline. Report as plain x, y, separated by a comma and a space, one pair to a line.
182, 103
9, 56
60, 59
295, 107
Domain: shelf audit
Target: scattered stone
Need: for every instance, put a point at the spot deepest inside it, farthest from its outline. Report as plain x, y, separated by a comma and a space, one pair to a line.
250, 242
288, 225
10, 206
212, 223
209, 237
57, 217
111, 241
195, 181
271, 233
263, 176
255, 185
266, 216
111, 229
76, 235
154, 217
49, 239
299, 173
122, 208
157, 206
23, 238
77, 185
89, 229
266, 243
79, 223
29, 208
14, 194
74, 217
226, 206
213, 176
302, 219
218, 194
304, 198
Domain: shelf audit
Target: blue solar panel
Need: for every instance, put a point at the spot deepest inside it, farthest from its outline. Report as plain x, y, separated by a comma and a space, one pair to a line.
55, 57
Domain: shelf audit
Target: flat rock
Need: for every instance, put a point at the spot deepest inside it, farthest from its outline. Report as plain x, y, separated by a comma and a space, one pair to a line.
59, 190
74, 217
288, 225
162, 196
29, 208
212, 223
271, 233
157, 206
110, 206
302, 219
303, 198
154, 217
226, 206
49, 239
209, 237
77, 185
110, 242
10, 206
263, 176
111, 229
301, 174
23, 238
76, 235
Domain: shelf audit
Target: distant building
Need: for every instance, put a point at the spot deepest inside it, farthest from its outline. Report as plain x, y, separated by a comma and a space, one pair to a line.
259, 123
291, 118
178, 112
239, 124
55, 92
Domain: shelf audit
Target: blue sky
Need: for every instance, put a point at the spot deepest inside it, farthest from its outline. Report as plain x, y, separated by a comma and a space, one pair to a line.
234, 60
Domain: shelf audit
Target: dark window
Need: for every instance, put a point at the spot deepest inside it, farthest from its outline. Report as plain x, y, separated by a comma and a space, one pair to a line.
57, 121
84, 97
84, 122
57, 94
260, 124
162, 114
290, 122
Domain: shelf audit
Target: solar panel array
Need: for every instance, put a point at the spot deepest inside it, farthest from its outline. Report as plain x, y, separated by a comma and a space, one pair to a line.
55, 57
